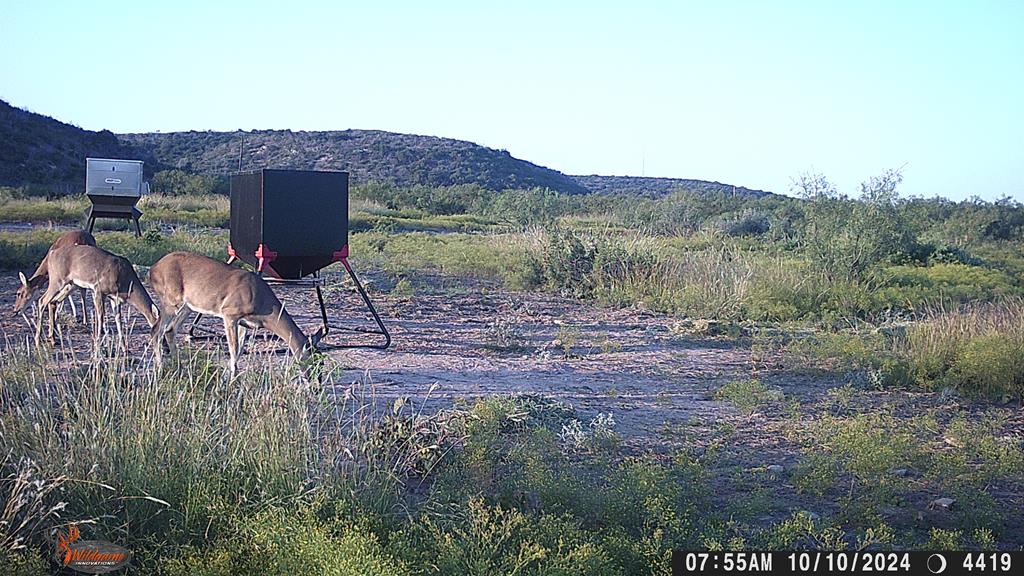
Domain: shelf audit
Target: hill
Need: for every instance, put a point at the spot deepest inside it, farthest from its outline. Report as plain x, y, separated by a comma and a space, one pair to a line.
36, 149
649, 186
367, 155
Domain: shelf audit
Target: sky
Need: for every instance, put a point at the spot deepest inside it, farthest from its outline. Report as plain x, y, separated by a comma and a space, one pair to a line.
747, 93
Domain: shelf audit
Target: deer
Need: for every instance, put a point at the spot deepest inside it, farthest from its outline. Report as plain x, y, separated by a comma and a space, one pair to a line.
184, 282
30, 285
107, 275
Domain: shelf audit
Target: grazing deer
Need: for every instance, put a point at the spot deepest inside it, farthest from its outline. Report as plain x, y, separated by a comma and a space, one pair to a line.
30, 285
184, 281
106, 274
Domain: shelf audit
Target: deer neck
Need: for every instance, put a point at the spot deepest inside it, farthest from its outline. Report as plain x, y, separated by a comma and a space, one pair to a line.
139, 299
281, 324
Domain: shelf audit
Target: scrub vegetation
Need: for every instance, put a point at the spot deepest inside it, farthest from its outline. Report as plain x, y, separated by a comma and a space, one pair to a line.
886, 373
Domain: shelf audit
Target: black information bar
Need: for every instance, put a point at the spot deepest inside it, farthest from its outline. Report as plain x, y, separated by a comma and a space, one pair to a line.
798, 563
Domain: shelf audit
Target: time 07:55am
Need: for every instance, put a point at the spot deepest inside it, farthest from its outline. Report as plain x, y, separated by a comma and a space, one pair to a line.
728, 561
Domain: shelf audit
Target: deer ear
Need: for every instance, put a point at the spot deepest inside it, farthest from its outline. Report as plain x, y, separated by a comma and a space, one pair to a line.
24, 281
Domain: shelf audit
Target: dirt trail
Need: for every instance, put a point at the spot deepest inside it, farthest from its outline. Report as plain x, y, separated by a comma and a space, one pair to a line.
625, 362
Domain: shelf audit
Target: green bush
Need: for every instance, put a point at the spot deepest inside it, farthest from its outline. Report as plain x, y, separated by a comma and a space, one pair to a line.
477, 539
179, 182
282, 543
748, 222
846, 238
25, 563
568, 261
748, 395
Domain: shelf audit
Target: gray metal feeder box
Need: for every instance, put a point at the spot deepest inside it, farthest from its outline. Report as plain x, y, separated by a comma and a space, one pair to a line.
114, 187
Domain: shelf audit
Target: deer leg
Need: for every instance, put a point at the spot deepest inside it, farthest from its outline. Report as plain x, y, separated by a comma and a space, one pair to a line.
179, 319
74, 310
44, 304
169, 326
85, 316
231, 327
241, 338
160, 335
51, 308
117, 321
97, 301
51, 314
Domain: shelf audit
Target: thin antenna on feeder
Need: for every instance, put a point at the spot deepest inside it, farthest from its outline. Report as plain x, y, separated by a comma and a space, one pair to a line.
241, 147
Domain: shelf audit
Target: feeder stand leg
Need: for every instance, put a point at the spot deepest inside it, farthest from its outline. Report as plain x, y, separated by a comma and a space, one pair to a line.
369, 305
323, 310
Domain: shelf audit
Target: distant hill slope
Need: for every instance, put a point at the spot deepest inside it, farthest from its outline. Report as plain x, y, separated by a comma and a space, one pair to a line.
660, 186
366, 154
38, 149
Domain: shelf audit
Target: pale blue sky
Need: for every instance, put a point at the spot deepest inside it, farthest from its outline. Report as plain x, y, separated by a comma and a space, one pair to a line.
749, 93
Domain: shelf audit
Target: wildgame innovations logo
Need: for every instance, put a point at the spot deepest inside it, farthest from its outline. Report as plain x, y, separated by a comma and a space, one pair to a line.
89, 556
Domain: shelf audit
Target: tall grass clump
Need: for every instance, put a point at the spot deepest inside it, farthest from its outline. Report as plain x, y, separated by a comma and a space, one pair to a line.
62, 210
150, 454
24, 250
633, 269
196, 473
194, 210
977, 349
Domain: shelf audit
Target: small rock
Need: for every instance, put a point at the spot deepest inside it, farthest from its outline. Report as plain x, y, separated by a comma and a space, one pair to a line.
954, 442
944, 503
775, 469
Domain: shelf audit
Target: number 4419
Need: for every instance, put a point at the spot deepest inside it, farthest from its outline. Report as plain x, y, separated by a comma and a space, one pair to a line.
987, 561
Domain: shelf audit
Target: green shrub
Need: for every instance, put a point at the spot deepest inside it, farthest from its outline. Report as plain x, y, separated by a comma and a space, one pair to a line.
748, 222
838, 351
915, 287
282, 543
845, 238
477, 539
25, 563
748, 395
568, 261
179, 182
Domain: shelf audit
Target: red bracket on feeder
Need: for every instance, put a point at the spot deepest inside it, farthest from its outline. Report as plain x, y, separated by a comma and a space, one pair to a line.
342, 256
264, 256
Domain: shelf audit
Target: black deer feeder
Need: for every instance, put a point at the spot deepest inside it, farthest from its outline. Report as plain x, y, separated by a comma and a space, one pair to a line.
290, 224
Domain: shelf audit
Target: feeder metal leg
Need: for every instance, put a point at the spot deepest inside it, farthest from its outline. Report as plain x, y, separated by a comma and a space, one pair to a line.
373, 311
195, 322
323, 310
